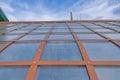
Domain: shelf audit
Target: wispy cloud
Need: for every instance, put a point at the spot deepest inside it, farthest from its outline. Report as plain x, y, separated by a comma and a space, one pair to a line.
29, 10
102, 11
8, 10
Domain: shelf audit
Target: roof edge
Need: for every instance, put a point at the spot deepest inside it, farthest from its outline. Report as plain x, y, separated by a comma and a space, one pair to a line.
15, 22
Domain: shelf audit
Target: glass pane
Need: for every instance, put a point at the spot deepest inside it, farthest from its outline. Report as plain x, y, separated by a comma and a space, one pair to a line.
33, 37
61, 51
44, 27
103, 30
62, 73
19, 31
8, 37
60, 25
113, 36
77, 26
61, 30
40, 31
13, 73
19, 52
108, 73
118, 29
47, 25
81, 30
66, 36
3, 31
89, 36
102, 51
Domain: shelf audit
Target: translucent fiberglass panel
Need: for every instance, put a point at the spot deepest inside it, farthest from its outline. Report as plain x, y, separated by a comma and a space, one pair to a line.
61, 51
102, 51
44, 28
81, 30
89, 36
33, 37
65, 36
103, 30
19, 52
62, 73
3, 31
19, 31
61, 25
77, 27
61, 30
8, 37
108, 73
40, 31
13, 73
113, 36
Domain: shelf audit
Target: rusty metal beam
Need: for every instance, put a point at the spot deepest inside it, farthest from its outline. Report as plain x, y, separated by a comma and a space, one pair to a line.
16, 63
29, 22
32, 71
61, 63
105, 63
90, 68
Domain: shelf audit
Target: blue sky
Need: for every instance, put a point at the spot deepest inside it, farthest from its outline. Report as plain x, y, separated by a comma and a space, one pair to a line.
36, 10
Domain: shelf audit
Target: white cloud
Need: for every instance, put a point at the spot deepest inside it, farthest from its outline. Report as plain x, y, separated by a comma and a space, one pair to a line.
8, 10
6, 7
11, 17
97, 10
103, 11
94, 9
32, 16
